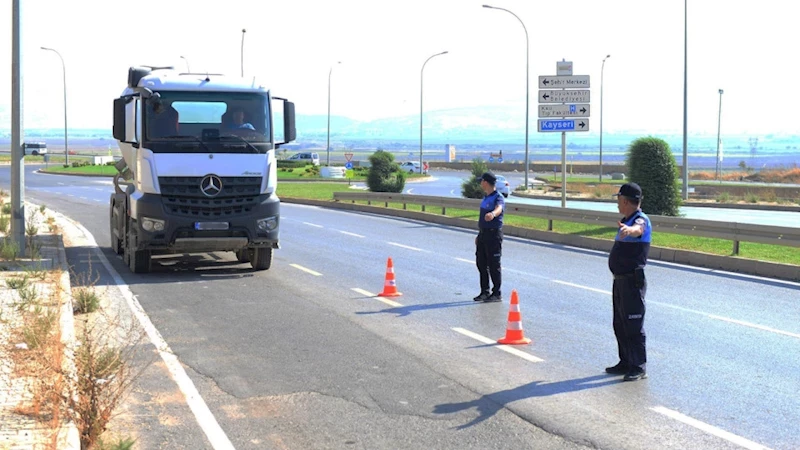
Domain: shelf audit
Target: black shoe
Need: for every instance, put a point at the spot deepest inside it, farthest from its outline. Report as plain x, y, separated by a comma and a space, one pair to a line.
493, 299
620, 369
634, 374
481, 297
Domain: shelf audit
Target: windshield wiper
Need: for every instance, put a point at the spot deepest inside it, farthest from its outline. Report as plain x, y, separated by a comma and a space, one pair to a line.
255, 149
194, 138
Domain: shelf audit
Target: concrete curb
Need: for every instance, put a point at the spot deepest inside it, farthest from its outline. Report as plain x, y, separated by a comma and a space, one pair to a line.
717, 262
68, 436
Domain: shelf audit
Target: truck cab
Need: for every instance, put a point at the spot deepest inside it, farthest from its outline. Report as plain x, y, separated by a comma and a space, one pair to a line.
198, 171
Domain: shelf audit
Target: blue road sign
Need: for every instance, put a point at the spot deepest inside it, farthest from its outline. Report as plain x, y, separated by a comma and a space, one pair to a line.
491, 159
348, 165
499, 160
556, 125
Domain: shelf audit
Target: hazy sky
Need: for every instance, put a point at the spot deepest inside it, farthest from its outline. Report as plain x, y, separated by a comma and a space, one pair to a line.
743, 47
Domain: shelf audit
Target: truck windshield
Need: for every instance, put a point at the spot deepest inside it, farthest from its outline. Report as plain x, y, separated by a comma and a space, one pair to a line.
229, 122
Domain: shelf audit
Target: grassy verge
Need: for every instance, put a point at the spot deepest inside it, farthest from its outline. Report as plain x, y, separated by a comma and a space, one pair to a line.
84, 170
762, 252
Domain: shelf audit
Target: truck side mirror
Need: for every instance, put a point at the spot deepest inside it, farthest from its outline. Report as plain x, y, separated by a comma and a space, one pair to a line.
289, 130
119, 119
125, 126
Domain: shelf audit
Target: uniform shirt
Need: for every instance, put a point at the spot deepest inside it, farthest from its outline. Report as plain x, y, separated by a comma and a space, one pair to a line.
489, 203
631, 252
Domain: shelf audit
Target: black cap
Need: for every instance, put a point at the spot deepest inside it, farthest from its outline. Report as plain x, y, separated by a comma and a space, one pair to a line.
630, 190
489, 178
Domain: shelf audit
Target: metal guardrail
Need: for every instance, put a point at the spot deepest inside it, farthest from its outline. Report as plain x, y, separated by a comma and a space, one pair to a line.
732, 231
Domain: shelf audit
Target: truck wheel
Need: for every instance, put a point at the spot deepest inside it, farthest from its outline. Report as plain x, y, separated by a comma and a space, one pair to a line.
243, 255
139, 261
261, 258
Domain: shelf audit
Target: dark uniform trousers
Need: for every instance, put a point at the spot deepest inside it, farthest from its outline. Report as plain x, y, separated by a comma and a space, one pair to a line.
629, 311
487, 257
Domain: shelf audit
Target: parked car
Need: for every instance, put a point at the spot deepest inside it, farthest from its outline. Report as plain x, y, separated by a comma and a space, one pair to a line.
502, 186
309, 157
34, 148
411, 167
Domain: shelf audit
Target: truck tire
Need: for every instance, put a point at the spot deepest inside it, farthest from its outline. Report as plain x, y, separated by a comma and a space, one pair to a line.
243, 255
261, 258
139, 261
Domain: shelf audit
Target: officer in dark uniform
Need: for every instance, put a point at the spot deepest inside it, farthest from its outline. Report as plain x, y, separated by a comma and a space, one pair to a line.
489, 242
626, 261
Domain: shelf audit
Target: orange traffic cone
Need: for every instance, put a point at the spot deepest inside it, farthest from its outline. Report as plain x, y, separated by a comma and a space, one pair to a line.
389, 284
514, 335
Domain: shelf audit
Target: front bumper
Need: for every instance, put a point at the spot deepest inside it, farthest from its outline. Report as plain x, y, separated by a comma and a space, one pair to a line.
186, 233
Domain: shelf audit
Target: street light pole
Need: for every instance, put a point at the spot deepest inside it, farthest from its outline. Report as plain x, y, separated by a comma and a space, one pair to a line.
328, 148
527, 85
602, 69
685, 99
64, 73
243, 32
719, 124
187, 64
421, 166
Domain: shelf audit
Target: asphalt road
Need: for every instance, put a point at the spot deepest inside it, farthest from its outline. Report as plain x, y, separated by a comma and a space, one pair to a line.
303, 356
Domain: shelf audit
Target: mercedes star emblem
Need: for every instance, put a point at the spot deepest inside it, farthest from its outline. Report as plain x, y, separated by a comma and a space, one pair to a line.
211, 185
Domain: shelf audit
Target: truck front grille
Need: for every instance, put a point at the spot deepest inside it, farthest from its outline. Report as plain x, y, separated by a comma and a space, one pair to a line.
182, 196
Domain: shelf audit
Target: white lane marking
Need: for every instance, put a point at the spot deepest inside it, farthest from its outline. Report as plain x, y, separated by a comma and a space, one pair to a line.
313, 225
351, 234
405, 246
84, 198
753, 325
297, 266
409, 191
465, 260
710, 429
61, 184
377, 297
566, 283
693, 311
208, 423
452, 192
505, 348
101, 201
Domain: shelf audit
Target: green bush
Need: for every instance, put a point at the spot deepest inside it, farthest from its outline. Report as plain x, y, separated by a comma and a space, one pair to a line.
652, 166
291, 163
471, 188
385, 175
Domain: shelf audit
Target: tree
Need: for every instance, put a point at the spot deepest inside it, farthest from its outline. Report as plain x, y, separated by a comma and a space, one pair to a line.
384, 174
471, 187
652, 166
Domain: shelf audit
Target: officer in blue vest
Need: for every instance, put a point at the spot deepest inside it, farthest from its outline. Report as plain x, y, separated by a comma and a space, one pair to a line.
626, 261
489, 242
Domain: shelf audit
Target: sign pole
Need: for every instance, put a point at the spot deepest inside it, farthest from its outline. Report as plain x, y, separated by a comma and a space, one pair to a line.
17, 152
563, 169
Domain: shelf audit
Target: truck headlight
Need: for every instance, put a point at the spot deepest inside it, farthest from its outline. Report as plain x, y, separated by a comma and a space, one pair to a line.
267, 224
149, 224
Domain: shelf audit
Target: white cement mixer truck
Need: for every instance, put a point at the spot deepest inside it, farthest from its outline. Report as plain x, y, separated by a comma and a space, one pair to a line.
198, 171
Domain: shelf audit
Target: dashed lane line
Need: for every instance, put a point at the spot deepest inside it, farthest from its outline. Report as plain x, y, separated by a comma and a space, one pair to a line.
710, 429
505, 348
377, 297
306, 270
406, 246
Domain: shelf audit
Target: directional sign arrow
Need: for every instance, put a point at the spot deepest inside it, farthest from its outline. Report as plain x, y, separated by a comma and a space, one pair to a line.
563, 125
564, 81
567, 110
564, 96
